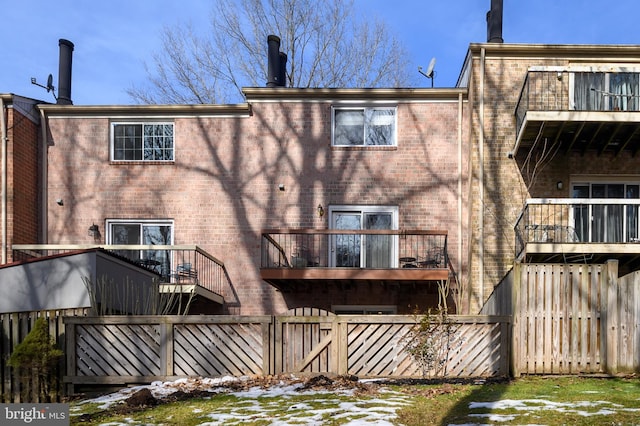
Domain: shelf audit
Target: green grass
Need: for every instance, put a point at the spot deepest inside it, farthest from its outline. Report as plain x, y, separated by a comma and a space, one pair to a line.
560, 400
550, 401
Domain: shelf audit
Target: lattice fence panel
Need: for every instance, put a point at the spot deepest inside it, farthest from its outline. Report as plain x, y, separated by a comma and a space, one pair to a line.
117, 350
218, 349
377, 350
476, 351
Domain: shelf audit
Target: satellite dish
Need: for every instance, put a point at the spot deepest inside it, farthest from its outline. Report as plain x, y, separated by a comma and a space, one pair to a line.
432, 64
49, 87
50, 83
430, 70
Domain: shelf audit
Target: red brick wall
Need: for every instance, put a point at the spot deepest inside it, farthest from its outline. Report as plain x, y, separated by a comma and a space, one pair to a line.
222, 189
22, 173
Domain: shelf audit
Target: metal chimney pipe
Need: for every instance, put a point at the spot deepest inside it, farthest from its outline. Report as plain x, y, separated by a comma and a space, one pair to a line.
494, 22
64, 72
282, 72
273, 61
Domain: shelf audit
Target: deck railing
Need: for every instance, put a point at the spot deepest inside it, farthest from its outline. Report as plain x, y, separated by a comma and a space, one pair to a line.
180, 264
578, 220
563, 90
331, 248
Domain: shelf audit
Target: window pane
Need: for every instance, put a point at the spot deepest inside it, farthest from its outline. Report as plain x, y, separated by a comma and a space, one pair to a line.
581, 213
127, 141
633, 192
380, 126
158, 142
378, 248
158, 235
589, 91
624, 89
347, 247
126, 234
614, 221
349, 127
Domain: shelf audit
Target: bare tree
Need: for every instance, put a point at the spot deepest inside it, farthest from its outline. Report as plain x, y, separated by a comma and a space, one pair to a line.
326, 46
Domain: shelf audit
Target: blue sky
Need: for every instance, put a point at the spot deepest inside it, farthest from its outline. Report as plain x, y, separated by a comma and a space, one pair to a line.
114, 38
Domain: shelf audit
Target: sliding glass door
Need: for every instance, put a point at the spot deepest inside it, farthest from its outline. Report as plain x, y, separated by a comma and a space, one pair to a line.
606, 91
357, 250
601, 222
148, 233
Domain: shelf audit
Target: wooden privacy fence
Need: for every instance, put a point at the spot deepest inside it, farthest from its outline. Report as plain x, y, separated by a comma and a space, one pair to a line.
14, 328
575, 318
121, 350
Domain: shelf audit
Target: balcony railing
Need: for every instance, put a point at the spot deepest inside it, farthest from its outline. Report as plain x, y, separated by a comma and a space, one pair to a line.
562, 90
578, 220
368, 249
175, 264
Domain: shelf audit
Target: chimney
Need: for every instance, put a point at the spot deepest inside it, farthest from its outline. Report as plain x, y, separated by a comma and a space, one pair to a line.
277, 63
282, 72
64, 72
273, 64
494, 22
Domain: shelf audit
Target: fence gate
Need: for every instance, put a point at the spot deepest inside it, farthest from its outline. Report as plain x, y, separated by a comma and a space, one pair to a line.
557, 321
305, 340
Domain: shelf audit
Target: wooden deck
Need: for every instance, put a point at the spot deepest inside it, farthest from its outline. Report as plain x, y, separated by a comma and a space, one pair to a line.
287, 279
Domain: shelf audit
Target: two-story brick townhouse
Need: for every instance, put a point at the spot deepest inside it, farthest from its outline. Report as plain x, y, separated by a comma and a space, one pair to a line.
348, 200
555, 176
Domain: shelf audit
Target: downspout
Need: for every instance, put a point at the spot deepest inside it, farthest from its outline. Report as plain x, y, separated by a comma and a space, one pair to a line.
44, 221
481, 179
459, 184
3, 166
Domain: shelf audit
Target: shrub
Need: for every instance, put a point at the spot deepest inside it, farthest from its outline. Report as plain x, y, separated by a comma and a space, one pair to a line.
431, 340
36, 359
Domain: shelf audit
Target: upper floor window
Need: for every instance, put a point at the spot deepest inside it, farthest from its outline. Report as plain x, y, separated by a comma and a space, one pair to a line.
364, 126
142, 142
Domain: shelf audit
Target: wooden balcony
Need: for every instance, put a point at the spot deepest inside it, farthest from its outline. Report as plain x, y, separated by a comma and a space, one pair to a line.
293, 259
568, 112
580, 230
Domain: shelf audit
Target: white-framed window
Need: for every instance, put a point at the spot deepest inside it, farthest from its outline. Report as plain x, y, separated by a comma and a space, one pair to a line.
357, 249
143, 232
364, 126
142, 141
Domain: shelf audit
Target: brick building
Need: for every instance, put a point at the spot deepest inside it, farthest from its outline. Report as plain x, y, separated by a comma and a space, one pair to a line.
348, 200
553, 138
233, 171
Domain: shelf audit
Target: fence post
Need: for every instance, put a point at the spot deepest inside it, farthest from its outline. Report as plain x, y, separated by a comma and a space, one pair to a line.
339, 330
515, 321
268, 348
609, 320
166, 347
70, 354
277, 345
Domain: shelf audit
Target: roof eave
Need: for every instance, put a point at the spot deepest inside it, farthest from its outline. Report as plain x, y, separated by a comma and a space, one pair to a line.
326, 94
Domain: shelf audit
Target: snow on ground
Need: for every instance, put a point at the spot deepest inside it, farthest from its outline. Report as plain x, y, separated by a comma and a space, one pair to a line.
378, 408
258, 402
